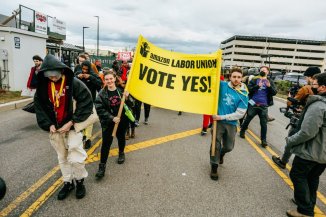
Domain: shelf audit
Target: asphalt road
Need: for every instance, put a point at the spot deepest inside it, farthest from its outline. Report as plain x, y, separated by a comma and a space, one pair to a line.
166, 172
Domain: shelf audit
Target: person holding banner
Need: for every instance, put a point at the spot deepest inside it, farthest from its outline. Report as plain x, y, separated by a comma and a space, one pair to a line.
107, 105
232, 105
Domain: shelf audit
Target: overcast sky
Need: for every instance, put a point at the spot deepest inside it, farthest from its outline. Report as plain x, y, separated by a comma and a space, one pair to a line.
181, 25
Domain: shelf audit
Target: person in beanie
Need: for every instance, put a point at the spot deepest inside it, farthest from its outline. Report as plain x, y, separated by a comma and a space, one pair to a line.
302, 97
57, 88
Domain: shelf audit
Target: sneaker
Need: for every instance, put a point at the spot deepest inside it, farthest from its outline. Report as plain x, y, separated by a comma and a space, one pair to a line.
80, 189
121, 158
65, 190
222, 158
203, 132
295, 213
88, 144
269, 119
263, 143
278, 162
146, 121
180, 113
242, 134
136, 123
214, 174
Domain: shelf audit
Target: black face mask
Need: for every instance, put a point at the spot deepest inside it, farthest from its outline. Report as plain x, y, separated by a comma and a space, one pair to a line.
314, 90
262, 73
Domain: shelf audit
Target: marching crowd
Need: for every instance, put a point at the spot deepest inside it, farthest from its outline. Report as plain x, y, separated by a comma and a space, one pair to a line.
66, 98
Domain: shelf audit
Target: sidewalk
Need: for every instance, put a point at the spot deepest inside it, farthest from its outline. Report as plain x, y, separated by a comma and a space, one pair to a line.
15, 104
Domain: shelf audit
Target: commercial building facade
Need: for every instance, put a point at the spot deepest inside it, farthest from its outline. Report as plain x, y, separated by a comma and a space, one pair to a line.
281, 54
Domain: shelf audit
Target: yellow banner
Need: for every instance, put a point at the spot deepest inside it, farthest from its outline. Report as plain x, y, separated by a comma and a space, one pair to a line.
176, 81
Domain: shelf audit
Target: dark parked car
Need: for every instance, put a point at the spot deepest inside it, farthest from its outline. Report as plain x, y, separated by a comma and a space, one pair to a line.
273, 74
293, 77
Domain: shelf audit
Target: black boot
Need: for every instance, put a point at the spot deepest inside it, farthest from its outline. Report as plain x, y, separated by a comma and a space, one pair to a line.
242, 134
132, 135
65, 190
214, 174
80, 189
101, 171
121, 158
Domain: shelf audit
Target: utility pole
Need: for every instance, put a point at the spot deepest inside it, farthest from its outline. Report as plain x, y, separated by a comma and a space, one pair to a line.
84, 27
98, 29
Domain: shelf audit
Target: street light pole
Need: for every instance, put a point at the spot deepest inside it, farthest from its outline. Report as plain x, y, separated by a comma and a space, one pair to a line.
84, 27
98, 28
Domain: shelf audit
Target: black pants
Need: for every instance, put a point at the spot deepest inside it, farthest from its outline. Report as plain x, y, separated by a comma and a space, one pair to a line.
107, 138
262, 112
305, 177
147, 109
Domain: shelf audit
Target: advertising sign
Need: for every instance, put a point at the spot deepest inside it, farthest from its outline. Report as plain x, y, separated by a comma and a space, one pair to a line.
124, 56
57, 29
41, 23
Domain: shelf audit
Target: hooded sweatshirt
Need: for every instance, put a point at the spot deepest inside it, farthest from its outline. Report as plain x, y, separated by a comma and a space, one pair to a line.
309, 142
94, 82
233, 103
74, 89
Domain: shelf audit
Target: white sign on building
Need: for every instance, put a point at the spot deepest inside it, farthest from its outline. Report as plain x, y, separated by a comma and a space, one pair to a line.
57, 27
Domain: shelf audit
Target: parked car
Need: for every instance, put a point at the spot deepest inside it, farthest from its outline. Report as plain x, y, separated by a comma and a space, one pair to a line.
273, 74
253, 71
292, 77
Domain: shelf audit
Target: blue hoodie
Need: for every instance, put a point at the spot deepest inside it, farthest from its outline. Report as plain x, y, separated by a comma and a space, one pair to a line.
233, 103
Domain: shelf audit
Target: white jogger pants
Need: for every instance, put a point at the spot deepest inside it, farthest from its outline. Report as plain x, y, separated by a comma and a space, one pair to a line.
71, 155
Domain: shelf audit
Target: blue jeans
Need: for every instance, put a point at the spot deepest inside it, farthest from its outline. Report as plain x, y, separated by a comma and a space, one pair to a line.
262, 112
305, 177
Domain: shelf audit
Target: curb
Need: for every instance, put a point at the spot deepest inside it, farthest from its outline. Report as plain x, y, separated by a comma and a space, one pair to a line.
15, 104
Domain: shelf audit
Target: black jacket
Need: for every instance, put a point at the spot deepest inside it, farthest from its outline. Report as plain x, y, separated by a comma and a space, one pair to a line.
75, 89
103, 109
271, 91
94, 82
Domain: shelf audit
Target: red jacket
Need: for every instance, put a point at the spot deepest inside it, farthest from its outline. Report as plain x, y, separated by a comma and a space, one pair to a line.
32, 80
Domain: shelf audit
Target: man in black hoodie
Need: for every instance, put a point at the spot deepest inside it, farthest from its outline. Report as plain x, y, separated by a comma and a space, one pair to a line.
94, 84
56, 90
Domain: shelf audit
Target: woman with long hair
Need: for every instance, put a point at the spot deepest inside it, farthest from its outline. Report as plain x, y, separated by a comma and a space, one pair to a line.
107, 105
